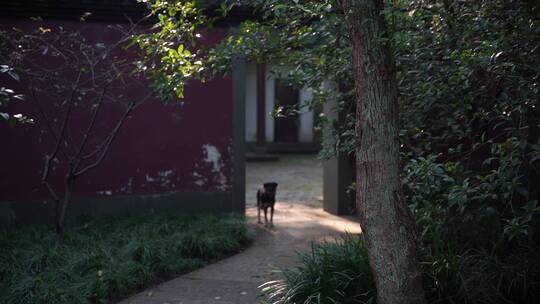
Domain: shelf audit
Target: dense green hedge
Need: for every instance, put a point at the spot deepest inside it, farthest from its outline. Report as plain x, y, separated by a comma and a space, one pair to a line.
470, 95
110, 258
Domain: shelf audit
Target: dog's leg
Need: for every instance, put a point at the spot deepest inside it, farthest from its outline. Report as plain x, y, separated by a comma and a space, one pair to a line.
265, 217
272, 216
258, 207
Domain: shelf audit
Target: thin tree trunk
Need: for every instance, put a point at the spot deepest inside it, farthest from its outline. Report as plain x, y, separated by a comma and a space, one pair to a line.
387, 224
61, 212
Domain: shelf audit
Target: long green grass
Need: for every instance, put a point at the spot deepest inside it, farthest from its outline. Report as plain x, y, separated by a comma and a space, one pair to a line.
339, 272
333, 272
107, 259
482, 277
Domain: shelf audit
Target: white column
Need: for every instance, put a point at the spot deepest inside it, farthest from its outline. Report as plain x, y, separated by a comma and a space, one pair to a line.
269, 104
305, 130
251, 102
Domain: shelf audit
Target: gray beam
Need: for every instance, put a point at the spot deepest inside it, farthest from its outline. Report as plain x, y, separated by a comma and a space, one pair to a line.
239, 141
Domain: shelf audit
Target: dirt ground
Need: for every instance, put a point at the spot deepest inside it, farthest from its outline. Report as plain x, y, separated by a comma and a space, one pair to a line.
299, 179
299, 220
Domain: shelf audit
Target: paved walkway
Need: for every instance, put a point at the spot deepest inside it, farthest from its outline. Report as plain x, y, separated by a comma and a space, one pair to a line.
298, 220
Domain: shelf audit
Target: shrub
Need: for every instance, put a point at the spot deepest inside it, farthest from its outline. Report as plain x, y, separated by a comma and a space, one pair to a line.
478, 276
109, 258
333, 272
338, 272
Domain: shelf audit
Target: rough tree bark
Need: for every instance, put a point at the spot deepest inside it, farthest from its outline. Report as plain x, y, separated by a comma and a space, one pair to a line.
387, 223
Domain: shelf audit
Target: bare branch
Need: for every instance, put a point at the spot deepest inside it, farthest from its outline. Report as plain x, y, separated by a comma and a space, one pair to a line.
90, 127
66, 116
108, 142
49, 158
101, 146
50, 190
44, 117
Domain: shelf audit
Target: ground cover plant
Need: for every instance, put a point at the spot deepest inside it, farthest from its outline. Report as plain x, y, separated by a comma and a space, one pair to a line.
339, 272
104, 259
333, 272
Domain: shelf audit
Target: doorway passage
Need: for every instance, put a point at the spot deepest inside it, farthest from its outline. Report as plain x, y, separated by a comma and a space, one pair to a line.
299, 178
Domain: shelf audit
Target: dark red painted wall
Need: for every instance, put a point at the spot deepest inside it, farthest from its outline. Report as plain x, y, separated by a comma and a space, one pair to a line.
160, 149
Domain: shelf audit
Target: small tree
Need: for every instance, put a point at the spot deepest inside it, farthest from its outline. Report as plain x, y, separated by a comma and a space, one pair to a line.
70, 81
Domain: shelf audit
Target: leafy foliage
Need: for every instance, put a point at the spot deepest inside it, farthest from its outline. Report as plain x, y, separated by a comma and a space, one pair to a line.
339, 272
469, 98
469, 88
306, 44
172, 57
110, 258
8, 95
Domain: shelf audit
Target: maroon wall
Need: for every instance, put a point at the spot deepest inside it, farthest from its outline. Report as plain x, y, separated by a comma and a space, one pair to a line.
160, 149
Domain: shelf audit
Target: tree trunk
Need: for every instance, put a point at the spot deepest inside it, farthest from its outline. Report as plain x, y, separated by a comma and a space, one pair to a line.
62, 208
388, 225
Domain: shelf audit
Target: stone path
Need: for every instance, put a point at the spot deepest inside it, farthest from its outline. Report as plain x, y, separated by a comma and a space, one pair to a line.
299, 220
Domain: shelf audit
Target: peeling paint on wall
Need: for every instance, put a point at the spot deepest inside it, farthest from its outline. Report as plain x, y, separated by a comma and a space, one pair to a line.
128, 187
213, 157
200, 179
149, 178
164, 179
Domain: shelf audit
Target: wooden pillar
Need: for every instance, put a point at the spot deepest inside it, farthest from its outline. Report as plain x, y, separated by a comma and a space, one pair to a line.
261, 115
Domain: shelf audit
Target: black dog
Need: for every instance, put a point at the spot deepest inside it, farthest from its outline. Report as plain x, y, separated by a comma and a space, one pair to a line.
266, 198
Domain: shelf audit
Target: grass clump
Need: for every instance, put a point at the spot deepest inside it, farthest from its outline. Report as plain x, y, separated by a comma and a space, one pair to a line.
106, 259
479, 276
339, 272
333, 272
